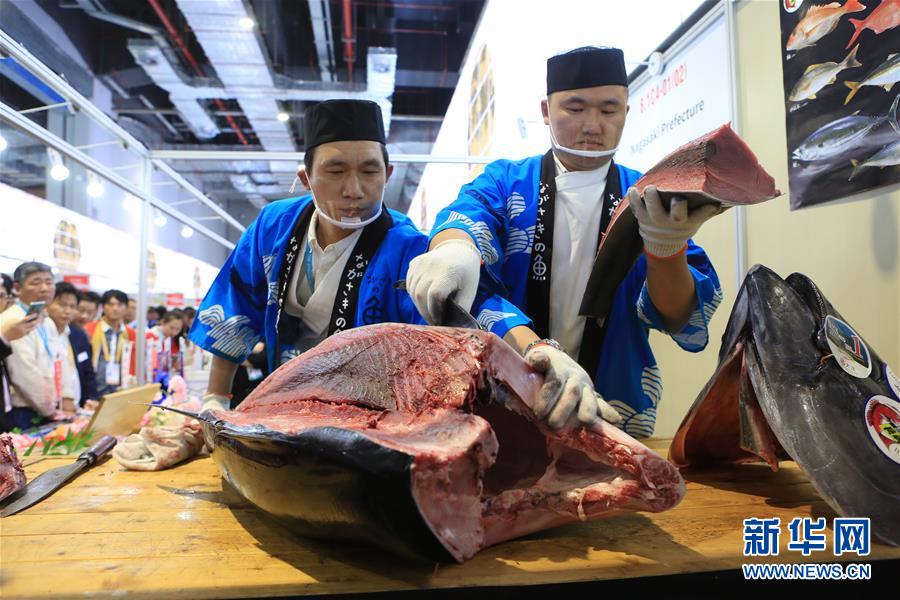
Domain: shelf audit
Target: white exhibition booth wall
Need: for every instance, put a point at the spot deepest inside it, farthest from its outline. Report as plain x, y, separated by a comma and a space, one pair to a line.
35, 229
495, 110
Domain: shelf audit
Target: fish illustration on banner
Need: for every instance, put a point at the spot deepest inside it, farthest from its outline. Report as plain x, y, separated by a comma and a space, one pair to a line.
818, 76
840, 69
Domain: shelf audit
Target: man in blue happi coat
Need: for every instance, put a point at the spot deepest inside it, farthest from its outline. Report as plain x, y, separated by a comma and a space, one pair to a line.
531, 228
319, 264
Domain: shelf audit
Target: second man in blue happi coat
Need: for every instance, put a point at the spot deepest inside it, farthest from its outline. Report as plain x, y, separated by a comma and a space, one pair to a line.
531, 229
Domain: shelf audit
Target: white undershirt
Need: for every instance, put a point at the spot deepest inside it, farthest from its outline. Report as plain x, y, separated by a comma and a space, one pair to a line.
576, 231
331, 258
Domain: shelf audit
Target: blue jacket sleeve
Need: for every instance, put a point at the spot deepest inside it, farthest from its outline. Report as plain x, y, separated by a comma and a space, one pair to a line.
483, 210
480, 211
231, 318
694, 336
498, 315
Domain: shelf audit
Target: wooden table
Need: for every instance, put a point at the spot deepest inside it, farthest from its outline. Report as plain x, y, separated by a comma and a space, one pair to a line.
178, 534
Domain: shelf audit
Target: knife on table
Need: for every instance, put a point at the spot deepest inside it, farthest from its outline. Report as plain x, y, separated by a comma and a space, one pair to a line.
48, 482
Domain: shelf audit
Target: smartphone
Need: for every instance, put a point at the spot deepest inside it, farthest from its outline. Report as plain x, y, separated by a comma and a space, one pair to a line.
35, 308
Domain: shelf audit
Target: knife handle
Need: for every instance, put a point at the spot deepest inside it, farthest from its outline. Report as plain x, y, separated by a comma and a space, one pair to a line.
95, 452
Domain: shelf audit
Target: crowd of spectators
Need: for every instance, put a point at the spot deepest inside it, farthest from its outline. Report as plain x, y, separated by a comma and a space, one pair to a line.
62, 348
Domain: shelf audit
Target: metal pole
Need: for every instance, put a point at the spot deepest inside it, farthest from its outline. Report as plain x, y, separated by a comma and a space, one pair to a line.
100, 144
162, 166
146, 217
230, 155
740, 212
36, 109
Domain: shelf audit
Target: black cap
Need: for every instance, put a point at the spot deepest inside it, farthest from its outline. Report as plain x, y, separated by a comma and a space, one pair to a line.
341, 121
588, 66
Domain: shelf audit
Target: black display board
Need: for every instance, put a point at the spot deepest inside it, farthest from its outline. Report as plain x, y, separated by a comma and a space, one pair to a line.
841, 61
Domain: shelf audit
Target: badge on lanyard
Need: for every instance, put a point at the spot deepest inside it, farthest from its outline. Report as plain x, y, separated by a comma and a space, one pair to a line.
57, 377
113, 373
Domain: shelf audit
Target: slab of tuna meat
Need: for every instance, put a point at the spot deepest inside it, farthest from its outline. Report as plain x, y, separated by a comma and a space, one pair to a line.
12, 476
718, 166
423, 440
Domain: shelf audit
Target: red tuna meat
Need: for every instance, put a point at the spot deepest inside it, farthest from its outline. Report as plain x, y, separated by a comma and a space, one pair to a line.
718, 166
12, 476
423, 440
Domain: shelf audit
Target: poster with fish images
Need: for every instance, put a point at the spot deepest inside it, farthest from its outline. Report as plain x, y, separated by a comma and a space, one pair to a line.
841, 69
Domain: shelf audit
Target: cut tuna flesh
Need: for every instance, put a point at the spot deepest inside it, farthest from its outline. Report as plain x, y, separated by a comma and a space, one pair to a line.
718, 166
12, 475
422, 440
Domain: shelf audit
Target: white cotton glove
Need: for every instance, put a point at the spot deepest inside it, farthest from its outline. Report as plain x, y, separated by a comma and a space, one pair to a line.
158, 448
567, 388
213, 401
452, 267
666, 232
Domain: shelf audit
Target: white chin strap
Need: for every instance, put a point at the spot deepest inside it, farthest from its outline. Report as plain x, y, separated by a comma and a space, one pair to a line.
576, 152
349, 222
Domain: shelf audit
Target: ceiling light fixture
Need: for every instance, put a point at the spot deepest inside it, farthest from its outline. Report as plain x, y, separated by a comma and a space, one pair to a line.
283, 116
186, 232
246, 23
95, 187
160, 219
58, 170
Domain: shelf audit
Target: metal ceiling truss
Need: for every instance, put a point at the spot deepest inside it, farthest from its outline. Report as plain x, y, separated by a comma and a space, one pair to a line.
75, 99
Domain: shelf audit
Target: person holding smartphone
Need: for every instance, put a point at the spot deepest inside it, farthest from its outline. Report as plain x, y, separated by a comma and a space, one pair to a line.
33, 399
11, 331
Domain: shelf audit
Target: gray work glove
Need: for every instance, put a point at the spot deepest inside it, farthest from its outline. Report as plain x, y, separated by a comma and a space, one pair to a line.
666, 232
567, 388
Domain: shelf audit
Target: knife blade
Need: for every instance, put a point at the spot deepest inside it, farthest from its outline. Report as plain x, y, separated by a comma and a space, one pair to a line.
454, 314
48, 482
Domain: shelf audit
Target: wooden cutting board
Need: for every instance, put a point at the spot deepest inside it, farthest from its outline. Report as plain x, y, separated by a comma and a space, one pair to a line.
178, 534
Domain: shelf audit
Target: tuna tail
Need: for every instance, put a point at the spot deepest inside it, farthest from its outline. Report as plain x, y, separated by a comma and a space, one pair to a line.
858, 25
856, 167
854, 87
853, 6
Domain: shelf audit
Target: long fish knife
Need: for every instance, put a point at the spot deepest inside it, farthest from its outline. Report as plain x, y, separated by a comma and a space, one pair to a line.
454, 314
201, 416
48, 482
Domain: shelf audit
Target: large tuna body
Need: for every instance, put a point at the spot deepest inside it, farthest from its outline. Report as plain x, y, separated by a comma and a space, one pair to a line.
422, 440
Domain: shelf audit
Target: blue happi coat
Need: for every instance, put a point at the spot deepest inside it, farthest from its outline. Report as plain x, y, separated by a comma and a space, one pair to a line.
242, 307
499, 210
